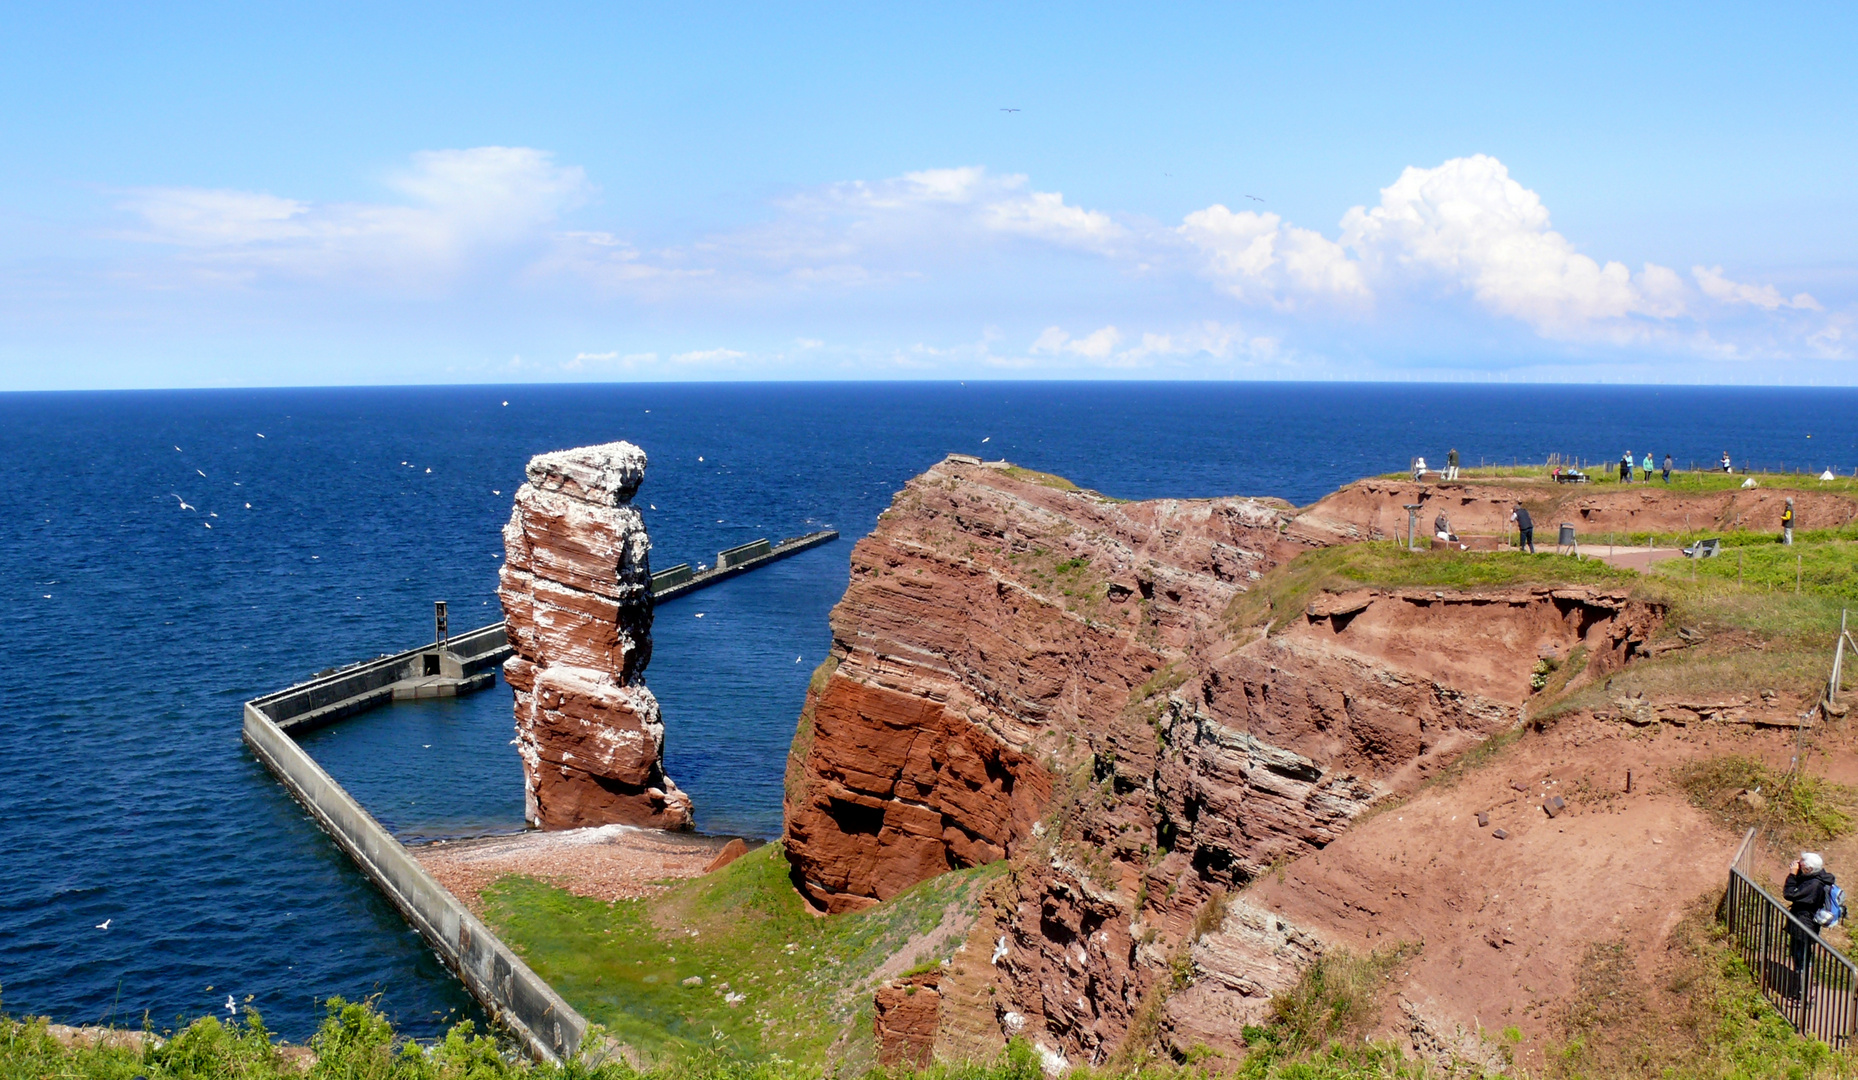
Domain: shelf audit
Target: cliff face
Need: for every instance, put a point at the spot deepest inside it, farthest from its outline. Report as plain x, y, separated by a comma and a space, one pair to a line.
1024, 669
576, 593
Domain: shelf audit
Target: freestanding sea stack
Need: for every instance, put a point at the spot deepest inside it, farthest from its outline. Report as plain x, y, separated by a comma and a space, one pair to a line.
577, 601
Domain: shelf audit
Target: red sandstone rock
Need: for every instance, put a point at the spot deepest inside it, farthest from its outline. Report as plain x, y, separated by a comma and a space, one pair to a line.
908, 1014
730, 852
576, 595
1028, 671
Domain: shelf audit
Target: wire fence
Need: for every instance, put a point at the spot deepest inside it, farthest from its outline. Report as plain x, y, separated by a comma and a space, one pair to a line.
1812, 984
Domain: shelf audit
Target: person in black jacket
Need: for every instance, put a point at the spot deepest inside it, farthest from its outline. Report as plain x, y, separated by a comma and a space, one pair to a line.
1805, 892
1525, 529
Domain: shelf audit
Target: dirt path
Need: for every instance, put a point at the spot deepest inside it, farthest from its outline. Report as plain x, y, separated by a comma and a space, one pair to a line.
1505, 923
612, 862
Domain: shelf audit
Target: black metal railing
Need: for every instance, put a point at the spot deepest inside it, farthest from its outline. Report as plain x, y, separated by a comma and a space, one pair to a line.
1777, 946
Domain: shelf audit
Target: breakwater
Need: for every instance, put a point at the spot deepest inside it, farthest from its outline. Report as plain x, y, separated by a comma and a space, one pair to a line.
680, 579
515, 996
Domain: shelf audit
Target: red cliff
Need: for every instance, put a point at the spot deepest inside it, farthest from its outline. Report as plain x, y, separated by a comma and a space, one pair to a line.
576, 594
1023, 669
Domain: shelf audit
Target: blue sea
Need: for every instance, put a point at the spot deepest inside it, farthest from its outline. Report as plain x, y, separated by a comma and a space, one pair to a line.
168, 555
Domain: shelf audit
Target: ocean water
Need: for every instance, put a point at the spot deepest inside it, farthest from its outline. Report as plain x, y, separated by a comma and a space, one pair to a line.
131, 630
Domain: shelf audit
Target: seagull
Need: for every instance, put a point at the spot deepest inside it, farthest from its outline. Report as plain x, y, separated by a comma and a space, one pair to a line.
231, 1005
654, 506
506, 404
210, 513
248, 506
989, 438
699, 457
796, 659
496, 491
208, 524
261, 434
105, 924
1254, 198
428, 470
177, 449
1005, 109
202, 475
422, 746
700, 614
184, 505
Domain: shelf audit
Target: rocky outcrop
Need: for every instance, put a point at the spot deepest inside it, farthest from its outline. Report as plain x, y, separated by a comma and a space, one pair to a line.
907, 1014
577, 602
1022, 669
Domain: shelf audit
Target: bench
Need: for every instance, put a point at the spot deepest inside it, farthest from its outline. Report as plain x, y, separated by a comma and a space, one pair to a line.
1704, 549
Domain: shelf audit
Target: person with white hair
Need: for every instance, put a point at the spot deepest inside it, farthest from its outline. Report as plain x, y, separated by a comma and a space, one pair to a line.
1805, 893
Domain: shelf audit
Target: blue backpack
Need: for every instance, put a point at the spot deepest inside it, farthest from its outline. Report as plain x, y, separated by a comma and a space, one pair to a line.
1831, 908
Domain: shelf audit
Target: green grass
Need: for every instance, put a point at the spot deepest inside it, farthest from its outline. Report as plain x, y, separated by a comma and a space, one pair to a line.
1821, 568
742, 930
1603, 474
1034, 476
1285, 593
1795, 812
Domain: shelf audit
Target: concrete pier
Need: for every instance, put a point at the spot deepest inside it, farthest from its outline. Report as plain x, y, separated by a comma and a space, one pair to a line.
680, 579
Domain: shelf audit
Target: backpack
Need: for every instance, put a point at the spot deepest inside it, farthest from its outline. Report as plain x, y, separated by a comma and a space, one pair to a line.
1831, 907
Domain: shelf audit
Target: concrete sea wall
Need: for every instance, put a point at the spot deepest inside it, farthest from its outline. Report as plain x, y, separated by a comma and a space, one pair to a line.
516, 997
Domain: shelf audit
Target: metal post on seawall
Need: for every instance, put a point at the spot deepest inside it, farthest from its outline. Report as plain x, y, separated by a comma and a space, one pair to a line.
441, 631
1412, 521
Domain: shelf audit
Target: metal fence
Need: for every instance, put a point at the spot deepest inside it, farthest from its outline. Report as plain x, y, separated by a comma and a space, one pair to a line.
1776, 945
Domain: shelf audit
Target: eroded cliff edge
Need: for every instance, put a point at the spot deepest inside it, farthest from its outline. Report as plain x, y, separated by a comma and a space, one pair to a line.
1027, 670
577, 601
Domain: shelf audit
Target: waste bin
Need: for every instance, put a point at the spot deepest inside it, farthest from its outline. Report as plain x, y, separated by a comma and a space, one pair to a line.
1566, 539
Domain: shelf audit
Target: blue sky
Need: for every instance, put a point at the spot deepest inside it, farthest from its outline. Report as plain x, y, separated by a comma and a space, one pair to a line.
247, 194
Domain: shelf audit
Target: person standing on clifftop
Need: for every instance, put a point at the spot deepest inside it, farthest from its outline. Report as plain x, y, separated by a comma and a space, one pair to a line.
1667, 469
1787, 523
1625, 467
1725, 464
1525, 529
1647, 466
1805, 893
1451, 464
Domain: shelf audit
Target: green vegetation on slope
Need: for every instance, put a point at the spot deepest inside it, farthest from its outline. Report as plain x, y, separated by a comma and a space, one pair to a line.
1285, 593
1792, 811
774, 979
1686, 481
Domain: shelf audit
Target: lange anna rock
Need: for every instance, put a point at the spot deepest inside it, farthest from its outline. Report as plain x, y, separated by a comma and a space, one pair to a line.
577, 600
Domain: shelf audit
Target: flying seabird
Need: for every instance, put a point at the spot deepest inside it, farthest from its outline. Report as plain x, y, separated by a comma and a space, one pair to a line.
105, 924
202, 475
231, 1005
1005, 109
1254, 198
184, 505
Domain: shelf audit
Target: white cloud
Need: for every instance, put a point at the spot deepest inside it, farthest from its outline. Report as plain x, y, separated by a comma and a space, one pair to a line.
1468, 225
1464, 230
1257, 257
1094, 346
707, 356
1766, 297
465, 205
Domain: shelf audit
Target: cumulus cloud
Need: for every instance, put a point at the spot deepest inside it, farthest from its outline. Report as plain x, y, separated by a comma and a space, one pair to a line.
462, 205
1101, 348
1766, 297
1464, 232
1469, 225
1257, 257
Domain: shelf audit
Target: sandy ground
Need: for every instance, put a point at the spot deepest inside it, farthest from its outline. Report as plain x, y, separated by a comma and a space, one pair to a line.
1504, 923
611, 862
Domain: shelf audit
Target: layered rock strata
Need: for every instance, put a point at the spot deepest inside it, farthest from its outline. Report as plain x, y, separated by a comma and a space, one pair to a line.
576, 593
1022, 669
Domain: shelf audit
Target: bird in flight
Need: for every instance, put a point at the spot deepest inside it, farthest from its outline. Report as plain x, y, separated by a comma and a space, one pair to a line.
184, 505
105, 924
1254, 198
1004, 109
